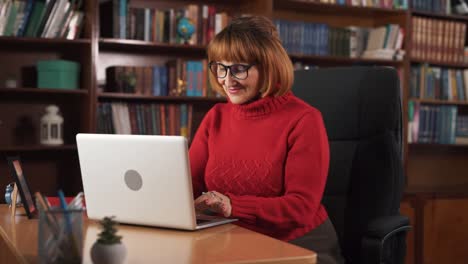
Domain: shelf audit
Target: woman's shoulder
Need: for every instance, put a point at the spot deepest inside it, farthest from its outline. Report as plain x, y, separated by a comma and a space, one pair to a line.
217, 110
303, 108
307, 116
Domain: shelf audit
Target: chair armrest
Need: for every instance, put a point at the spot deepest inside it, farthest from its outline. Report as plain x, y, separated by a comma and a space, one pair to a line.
378, 232
384, 227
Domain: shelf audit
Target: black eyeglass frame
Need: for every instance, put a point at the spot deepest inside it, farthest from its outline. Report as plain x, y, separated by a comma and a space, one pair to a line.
248, 66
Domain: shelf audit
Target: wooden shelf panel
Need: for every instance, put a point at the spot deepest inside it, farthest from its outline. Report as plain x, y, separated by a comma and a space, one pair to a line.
43, 42
123, 96
439, 102
79, 92
140, 46
439, 192
438, 63
37, 148
41, 95
440, 16
321, 8
130, 45
434, 146
343, 60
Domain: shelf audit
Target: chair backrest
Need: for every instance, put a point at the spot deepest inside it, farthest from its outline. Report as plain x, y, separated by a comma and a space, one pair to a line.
361, 107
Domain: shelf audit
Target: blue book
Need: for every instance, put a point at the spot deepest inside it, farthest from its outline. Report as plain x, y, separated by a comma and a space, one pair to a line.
199, 85
156, 81
459, 81
123, 19
164, 83
190, 78
27, 15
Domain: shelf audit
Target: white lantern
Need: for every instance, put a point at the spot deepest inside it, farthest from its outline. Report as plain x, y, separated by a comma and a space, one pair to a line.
52, 126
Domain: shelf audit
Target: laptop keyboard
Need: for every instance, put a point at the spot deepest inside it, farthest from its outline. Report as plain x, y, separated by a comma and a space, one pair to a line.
202, 221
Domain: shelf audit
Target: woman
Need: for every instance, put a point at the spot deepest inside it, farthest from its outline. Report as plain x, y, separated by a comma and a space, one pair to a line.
263, 156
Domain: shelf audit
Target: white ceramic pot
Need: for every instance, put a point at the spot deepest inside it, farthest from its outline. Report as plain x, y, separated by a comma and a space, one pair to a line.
108, 254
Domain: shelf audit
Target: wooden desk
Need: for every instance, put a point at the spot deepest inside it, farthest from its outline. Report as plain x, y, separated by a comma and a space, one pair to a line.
223, 244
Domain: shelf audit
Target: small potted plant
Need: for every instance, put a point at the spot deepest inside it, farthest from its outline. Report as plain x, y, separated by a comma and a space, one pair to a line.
108, 248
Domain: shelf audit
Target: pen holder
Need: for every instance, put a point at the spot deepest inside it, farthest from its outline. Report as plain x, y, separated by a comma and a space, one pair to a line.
60, 236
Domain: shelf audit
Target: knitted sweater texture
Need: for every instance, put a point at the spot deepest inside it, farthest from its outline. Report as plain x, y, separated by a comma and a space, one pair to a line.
270, 157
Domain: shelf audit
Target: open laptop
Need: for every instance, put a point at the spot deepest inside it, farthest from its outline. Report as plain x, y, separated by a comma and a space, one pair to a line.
140, 179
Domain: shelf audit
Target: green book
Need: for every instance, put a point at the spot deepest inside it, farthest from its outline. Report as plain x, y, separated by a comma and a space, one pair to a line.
10, 23
33, 23
43, 17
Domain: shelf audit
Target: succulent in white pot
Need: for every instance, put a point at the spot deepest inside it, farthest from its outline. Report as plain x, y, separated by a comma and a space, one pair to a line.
108, 248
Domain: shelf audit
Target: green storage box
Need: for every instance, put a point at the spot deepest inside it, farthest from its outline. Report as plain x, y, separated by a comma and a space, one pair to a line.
61, 74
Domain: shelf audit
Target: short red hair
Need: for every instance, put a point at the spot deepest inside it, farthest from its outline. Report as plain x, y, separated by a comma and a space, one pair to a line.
254, 40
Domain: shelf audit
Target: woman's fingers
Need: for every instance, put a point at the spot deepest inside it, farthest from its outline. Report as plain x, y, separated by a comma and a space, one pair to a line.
207, 201
213, 201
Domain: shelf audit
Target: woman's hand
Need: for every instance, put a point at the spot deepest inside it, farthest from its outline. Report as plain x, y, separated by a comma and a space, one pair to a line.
214, 201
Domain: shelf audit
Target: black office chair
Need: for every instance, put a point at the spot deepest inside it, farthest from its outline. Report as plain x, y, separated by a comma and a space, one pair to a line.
361, 108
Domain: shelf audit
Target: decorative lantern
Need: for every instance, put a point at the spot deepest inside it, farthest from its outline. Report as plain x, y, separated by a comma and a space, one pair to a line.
52, 126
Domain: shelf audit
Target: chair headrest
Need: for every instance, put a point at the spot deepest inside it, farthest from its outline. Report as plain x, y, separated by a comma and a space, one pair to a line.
355, 102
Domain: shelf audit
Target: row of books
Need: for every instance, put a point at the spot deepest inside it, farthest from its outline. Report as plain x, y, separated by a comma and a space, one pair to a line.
438, 40
47, 19
385, 42
436, 6
396, 4
321, 39
146, 80
177, 78
144, 119
429, 82
436, 124
120, 20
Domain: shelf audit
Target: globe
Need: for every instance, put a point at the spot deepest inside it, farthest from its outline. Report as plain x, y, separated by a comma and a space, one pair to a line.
185, 29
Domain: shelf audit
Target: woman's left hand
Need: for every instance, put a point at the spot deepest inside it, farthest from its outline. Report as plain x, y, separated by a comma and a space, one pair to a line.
214, 201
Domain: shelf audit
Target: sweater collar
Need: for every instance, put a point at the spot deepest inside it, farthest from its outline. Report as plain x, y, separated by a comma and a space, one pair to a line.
260, 107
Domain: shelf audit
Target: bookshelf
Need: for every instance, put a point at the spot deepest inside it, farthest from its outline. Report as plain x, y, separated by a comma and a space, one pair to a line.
430, 168
437, 188
47, 167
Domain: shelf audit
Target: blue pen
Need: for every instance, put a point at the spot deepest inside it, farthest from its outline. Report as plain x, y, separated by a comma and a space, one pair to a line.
63, 206
68, 224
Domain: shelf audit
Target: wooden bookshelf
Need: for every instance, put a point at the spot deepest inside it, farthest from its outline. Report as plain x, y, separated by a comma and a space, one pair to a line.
432, 168
47, 167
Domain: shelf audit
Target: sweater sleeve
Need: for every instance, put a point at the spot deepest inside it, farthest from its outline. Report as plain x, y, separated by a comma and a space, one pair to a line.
198, 155
306, 168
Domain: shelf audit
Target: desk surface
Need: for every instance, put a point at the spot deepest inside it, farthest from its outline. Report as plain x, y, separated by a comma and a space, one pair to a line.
222, 244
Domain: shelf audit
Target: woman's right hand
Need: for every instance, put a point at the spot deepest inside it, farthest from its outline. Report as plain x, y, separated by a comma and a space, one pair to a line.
214, 201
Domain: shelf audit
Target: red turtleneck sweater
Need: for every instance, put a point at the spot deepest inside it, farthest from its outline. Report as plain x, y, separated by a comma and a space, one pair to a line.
270, 157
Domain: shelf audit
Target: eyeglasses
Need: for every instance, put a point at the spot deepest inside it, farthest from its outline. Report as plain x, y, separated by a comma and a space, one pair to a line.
238, 71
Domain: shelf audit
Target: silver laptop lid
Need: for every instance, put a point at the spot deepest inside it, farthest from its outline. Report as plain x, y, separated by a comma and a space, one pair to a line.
137, 178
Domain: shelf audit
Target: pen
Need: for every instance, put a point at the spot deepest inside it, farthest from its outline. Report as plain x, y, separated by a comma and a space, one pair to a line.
68, 224
50, 218
63, 206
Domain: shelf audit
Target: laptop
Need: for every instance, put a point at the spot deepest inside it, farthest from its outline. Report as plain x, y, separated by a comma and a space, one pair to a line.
140, 179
